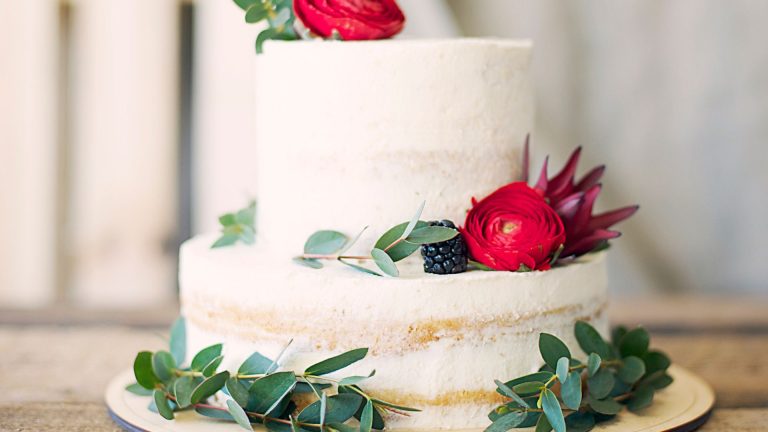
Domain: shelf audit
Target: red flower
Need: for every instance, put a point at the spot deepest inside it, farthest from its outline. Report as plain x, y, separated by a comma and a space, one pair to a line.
573, 201
513, 228
352, 19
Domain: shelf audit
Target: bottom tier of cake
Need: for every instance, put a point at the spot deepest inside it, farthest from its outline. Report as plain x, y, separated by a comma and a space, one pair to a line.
436, 342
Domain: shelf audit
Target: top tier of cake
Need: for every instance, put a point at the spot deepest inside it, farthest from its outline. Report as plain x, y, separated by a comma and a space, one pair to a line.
358, 134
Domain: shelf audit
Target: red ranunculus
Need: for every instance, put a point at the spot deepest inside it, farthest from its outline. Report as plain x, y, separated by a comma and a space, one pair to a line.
511, 228
353, 19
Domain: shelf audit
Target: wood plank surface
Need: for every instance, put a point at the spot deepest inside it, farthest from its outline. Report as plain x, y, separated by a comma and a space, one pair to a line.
54, 367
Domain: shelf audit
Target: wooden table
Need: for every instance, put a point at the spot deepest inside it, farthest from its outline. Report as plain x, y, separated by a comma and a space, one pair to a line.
55, 364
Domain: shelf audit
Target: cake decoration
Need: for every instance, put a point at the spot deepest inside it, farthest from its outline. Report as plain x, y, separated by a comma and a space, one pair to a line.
566, 394
513, 229
259, 392
395, 244
569, 395
448, 257
238, 226
573, 202
323, 19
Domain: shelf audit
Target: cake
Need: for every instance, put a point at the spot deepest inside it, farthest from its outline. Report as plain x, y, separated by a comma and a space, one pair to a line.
357, 134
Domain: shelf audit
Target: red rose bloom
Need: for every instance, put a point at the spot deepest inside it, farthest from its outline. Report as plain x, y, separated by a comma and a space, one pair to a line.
513, 227
353, 19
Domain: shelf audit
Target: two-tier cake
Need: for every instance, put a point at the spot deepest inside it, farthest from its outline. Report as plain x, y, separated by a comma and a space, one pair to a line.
358, 134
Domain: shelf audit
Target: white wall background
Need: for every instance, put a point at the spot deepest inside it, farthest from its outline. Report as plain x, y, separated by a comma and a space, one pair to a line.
672, 94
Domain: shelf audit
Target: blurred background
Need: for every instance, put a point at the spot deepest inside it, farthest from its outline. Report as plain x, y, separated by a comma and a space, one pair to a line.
126, 127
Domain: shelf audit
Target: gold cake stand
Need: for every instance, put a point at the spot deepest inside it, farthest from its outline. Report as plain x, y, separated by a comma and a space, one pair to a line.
683, 406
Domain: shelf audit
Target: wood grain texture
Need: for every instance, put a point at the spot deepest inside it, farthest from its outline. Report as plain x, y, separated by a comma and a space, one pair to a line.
55, 366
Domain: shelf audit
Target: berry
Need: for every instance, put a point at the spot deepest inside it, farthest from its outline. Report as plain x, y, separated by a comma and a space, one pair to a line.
448, 257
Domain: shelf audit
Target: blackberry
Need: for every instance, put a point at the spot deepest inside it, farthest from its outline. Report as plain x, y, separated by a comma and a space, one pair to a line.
448, 257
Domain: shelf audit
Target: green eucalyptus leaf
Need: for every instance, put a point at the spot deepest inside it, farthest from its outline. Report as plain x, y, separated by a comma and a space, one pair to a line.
247, 215
378, 420
540, 377
323, 408
256, 364
634, 343
658, 380
302, 387
542, 425
352, 380
214, 413
617, 333
605, 406
350, 243
431, 234
237, 413
631, 370
281, 18
360, 268
570, 391
266, 393
142, 370
506, 422
245, 4
182, 390
161, 403
414, 220
325, 242
248, 235
619, 388
655, 361
395, 406
552, 410
528, 387
366, 418
178, 340
337, 362
590, 340
339, 408
138, 390
641, 398
255, 13
552, 349
209, 387
508, 392
210, 368
580, 422
600, 384
340, 427
384, 262
238, 391
402, 249
593, 364
562, 369
205, 356
226, 240
227, 219
308, 262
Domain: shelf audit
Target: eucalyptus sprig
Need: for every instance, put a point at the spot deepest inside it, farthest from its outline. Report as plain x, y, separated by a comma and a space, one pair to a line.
624, 373
258, 392
278, 14
237, 226
395, 244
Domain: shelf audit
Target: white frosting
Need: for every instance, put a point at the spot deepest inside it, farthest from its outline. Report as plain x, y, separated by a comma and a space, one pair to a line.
430, 336
357, 134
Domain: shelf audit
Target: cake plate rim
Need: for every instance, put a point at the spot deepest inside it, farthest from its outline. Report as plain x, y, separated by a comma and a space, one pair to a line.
130, 411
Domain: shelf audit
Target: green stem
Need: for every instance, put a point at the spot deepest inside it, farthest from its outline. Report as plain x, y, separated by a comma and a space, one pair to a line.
335, 257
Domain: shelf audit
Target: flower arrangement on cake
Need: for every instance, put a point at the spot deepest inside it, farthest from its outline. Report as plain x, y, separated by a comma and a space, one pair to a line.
518, 228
